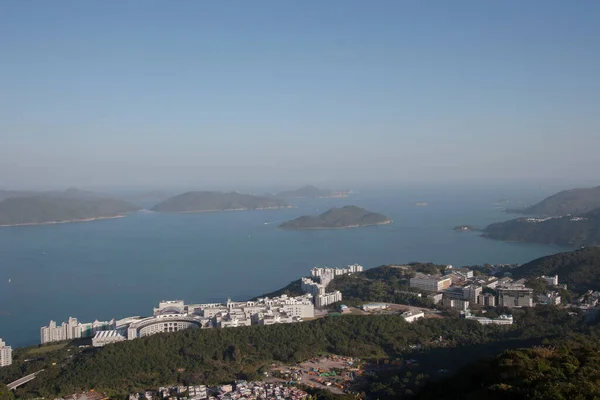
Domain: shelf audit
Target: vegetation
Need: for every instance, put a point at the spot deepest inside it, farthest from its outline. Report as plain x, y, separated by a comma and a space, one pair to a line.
389, 284
574, 201
52, 208
579, 269
566, 231
338, 218
216, 201
310, 191
292, 290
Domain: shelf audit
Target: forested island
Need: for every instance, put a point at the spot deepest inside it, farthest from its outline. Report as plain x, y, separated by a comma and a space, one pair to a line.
217, 201
311, 191
465, 228
59, 208
337, 218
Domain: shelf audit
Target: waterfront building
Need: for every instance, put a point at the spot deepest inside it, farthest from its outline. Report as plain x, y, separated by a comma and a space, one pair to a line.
430, 283
170, 307
72, 329
411, 316
103, 338
309, 286
5, 354
515, 296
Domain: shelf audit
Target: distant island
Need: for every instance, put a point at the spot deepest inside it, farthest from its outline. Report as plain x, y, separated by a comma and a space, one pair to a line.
465, 228
574, 201
191, 202
337, 218
55, 208
310, 191
421, 204
580, 230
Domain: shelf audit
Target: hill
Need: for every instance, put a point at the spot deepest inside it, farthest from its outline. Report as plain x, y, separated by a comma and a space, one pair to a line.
310, 191
53, 209
574, 201
217, 201
579, 269
338, 218
578, 231
568, 371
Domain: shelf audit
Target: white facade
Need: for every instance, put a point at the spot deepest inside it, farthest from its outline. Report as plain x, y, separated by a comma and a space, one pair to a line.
106, 337
170, 307
327, 299
374, 306
5, 354
471, 293
462, 305
309, 286
551, 280
430, 283
501, 320
411, 316
515, 296
72, 329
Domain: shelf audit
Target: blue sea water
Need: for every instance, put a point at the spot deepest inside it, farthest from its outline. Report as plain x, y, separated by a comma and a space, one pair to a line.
123, 267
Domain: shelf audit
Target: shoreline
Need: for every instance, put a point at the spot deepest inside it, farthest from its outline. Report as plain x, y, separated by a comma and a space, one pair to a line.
335, 228
72, 221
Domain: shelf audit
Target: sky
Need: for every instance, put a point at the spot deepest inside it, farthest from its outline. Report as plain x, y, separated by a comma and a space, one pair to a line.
204, 93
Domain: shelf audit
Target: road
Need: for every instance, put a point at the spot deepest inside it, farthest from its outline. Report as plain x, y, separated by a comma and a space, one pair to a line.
22, 381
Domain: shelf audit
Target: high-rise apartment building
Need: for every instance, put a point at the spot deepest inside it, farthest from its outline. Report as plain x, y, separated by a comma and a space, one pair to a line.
5, 354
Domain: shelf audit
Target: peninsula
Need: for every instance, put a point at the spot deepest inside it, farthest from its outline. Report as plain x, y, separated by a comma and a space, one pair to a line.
192, 202
310, 191
53, 209
574, 201
337, 218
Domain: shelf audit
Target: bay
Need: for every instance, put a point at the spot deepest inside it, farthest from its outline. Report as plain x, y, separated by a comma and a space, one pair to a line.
123, 267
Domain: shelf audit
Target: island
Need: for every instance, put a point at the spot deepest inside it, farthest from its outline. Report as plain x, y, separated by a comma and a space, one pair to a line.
54, 209
568, 230
465, 228
337, 218
310, 191
421, 204
574, 201
193, 202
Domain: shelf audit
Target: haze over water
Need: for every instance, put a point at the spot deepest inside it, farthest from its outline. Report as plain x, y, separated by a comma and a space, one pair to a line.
123, 267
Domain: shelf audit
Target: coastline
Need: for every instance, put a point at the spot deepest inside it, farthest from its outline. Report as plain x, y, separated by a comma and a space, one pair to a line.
335, 228
63, 222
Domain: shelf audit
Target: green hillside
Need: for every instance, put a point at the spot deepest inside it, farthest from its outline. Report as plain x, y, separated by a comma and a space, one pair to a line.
338, 218
574, 201
217, 201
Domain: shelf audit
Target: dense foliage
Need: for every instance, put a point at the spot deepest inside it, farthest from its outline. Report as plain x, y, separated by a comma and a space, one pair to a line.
5, 394
570, 371
387, 284
49, 208
574, 201
579, 269
216, 201
335, 218
221, 355
566, 231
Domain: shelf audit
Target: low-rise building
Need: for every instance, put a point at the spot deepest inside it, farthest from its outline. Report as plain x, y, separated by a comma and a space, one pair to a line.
435, 297
411, 316
552, 298
106, 337
501, 320
374, 306
430, 283
550, 280
5, 354
461, 305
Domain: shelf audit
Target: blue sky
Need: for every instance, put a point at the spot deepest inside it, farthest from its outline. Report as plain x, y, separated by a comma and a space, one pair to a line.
200, 93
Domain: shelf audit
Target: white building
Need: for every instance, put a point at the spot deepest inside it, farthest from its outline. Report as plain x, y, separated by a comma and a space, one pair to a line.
72, 329
411, 316
430, 283
552, 298
326, 299
103, 338
309, 286
461, 305
374, 306
170, 307
486, 299
501, 320
550, 280
471, 293
5, 354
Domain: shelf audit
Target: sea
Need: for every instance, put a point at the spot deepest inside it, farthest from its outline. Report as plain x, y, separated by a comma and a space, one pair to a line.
123, 267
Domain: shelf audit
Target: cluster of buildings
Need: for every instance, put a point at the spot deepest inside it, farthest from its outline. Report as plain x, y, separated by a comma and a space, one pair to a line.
458, 288
175, 315
318, 290
240, 390
5, 354
503, 319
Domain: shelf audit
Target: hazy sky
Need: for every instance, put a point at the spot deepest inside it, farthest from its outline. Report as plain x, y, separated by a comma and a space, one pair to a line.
205, 92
